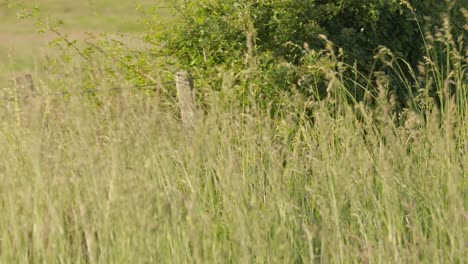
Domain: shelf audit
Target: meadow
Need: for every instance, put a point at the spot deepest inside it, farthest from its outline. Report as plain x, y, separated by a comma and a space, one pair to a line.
23, 47
114, 177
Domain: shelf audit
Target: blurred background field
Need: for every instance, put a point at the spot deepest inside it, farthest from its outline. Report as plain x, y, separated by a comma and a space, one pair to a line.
22, 47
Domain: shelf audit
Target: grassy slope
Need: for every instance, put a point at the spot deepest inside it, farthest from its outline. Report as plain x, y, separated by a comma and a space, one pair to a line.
22, 48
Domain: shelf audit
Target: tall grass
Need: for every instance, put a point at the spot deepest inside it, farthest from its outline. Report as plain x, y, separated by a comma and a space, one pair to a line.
114, 178
120, 181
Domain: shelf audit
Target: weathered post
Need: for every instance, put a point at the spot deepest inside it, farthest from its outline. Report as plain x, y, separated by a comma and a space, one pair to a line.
24, 88
25, 83
184, 85
23, 102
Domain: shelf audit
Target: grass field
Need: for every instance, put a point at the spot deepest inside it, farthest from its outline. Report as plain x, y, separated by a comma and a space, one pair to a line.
22, 48
113, 176
122, 182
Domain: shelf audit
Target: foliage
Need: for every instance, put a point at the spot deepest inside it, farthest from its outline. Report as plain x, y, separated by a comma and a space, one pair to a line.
213, 33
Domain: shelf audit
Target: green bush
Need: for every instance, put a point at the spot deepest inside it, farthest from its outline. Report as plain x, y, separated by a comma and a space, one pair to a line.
213, 33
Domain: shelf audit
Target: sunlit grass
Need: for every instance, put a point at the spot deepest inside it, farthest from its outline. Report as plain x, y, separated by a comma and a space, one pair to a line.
115, 178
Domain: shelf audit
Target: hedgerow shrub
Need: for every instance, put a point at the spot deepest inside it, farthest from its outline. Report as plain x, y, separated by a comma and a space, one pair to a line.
280, 34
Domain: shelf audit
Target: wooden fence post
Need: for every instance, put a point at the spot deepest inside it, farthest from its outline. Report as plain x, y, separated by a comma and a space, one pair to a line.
184, 85
25, 83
